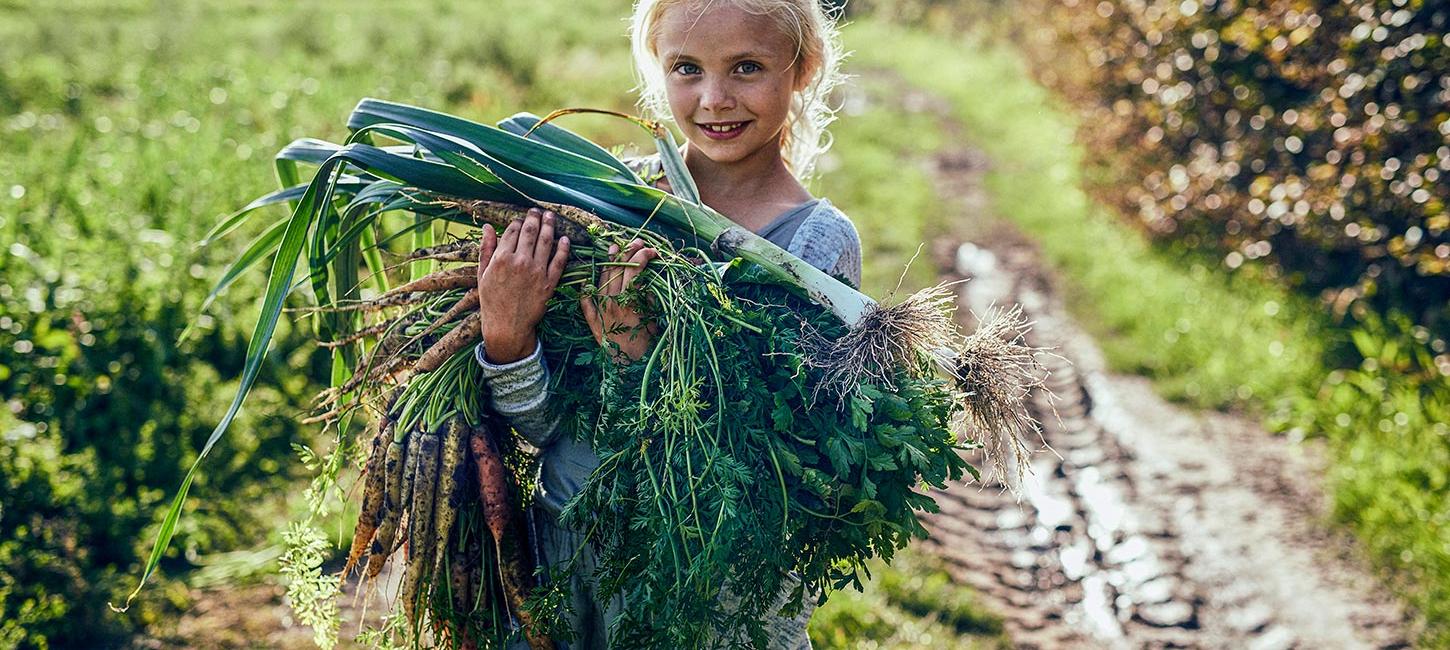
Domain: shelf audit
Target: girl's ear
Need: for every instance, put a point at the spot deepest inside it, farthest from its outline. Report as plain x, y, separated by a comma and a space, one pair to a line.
803, 74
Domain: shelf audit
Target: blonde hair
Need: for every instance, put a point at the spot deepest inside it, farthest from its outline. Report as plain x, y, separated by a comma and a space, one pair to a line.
818, 51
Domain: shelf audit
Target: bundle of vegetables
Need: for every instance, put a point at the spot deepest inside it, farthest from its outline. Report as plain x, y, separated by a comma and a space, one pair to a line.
774, 438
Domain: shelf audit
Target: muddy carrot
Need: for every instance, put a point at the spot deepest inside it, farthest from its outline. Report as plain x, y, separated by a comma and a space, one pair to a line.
373, 502
463, 250
462, 336
394, 466
371, 330
421, 541
383, 546
458, 573
446, 502
461, 277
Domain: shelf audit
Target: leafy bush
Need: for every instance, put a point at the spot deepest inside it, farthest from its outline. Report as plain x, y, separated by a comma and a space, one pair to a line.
1311, 138
1388, 421
105, 414
102, 199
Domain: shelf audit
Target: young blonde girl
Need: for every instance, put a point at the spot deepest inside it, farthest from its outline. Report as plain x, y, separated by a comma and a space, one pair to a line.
746, 82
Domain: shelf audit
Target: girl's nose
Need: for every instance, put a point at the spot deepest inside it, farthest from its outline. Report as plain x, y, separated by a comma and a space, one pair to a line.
716, 96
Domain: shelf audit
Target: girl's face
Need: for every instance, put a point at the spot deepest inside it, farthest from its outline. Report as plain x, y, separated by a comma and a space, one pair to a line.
729, 77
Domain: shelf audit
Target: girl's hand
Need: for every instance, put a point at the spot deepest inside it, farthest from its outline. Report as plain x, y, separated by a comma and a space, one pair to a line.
517, 273
607, 318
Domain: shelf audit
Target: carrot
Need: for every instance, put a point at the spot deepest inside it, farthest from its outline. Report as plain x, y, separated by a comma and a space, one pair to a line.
461, 277
463, 250
371, 330
369, 373
509, 535
446, 502
396, 339
327, 416
401, 457
574, 224
479, 593
465, 334
389, 299
373, 503
421, 540
458, 574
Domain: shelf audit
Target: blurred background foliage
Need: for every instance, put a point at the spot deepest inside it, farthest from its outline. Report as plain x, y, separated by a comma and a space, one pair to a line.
1306, 138
1284, 158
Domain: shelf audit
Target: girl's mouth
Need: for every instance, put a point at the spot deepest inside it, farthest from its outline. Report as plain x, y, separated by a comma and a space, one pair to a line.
723, 130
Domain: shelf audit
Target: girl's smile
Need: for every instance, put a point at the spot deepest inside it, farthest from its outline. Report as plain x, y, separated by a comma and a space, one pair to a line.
723, 130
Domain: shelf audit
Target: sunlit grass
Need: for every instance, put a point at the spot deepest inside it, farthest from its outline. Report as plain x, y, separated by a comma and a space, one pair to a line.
912, 604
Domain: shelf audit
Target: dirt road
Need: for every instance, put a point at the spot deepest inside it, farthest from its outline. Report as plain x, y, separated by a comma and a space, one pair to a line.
1148, 525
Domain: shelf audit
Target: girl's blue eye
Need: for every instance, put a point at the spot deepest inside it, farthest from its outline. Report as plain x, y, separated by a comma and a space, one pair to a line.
687, 68
749, 67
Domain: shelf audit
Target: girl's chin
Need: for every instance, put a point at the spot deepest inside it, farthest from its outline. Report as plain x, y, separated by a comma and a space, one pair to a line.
722, 152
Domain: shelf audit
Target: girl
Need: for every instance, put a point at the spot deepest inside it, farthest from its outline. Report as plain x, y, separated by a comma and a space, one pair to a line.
746, 82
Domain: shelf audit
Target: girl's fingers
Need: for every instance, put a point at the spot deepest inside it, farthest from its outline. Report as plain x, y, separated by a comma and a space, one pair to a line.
561, 259
612, 274
627, 256
486, 245
641, 259
510, 240
630, 249
591, 316
529, 233
545, 245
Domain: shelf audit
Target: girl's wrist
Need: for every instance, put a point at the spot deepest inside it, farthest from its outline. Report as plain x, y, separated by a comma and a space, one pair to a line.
508, 349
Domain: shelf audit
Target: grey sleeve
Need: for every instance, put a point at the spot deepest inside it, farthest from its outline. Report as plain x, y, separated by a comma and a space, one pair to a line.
520, 392
828, 241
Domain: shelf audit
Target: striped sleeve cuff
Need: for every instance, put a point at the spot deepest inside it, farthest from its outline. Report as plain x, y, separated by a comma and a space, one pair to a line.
520, 392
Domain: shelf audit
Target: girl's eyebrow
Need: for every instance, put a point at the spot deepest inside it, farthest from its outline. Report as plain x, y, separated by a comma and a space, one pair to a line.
749, 55
677, 56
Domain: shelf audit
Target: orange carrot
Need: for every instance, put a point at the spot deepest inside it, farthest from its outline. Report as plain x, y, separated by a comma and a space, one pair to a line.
516, 565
